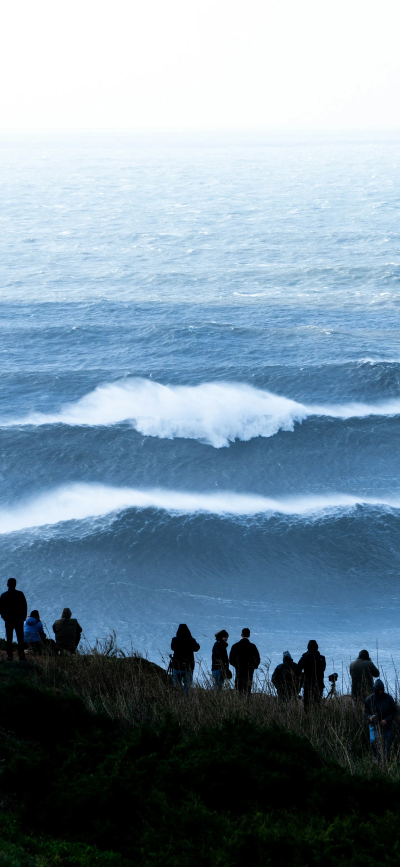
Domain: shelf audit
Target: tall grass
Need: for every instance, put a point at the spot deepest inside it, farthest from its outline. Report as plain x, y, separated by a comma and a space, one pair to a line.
131, 690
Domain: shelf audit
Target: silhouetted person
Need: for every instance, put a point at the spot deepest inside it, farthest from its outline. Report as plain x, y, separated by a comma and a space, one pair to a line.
362, 672
67, 632
34, 636
13, 610
380, 710
245, 658
286, 679
219, 660
312, 666
184, 647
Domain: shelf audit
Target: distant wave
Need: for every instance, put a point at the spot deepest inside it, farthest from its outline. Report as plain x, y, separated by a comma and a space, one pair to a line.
77, 502
214, 413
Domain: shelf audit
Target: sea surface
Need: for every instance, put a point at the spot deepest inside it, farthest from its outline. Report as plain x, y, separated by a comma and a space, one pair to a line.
200, 389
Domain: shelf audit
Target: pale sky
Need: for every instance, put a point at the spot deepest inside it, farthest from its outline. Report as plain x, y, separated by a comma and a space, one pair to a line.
200, 64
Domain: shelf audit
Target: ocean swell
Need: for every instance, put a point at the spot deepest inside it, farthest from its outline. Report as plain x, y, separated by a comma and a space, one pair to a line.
78, 502
213, 413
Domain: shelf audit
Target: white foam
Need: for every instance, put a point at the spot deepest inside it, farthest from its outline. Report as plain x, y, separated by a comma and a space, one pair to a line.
78, 502
214, 413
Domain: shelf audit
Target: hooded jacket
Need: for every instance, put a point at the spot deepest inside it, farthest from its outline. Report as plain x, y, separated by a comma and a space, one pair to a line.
380, 705
33, 630
184, 649
67, 631
285, 677
362, 673
13, 605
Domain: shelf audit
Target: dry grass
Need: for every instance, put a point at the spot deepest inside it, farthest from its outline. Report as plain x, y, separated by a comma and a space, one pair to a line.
130, 689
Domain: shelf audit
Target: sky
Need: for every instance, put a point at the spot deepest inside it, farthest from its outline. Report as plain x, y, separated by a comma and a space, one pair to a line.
205, 65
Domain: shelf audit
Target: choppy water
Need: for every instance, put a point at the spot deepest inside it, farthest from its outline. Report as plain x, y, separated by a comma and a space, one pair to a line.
200, 389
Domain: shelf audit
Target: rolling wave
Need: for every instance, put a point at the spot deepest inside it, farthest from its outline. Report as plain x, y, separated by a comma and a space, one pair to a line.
78, 502
213, 413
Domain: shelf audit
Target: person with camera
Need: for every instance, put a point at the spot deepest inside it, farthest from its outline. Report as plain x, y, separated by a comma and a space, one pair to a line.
220, 670
312, 666
286, 679
362, 673
380, 711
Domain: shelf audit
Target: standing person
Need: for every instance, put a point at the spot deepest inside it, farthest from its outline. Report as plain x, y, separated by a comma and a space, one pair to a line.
184, 647
380, 710
34, 636
362, 673
13, 610
67, 631
245, 658
312, 666
286, 679
219, 661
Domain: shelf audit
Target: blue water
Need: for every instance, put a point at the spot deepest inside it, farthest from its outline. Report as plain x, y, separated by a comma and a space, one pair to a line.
200, 389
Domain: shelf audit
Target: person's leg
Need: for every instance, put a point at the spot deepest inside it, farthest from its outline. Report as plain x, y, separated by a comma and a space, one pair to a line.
217, 678
187, 680
19, 631
9, 639
177, 677
386, 740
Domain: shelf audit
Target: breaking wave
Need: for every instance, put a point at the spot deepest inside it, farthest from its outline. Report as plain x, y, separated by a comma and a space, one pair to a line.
213, 413
78, 502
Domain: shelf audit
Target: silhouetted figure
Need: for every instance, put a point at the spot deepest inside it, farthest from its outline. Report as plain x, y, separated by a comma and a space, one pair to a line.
362, 672
245, 658
286, 679
219, 661
312, 666
380, 710
67, 632
13, 610
184, 647
34, 636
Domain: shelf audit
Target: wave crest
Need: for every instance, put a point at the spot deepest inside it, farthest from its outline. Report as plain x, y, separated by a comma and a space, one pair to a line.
213, 413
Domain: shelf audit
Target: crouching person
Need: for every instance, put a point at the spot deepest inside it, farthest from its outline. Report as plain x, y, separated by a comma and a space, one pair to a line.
67, 631
380, 710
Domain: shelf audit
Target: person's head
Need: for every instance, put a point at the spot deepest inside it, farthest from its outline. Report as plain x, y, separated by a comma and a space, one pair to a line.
35, 614
222, 635
245, 632
67, 613
379, 687
312, 646
11, 583
286, 656
183, 631
363, 654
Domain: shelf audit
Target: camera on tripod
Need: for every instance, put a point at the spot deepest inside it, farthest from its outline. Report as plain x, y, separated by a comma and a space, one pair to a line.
333, 677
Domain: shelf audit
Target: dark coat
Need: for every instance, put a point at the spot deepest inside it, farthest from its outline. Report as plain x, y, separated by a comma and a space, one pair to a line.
382, 706
286, 678
184, 650
13, 606
312, 665
245, 657
67, 632
219, 660
362, 672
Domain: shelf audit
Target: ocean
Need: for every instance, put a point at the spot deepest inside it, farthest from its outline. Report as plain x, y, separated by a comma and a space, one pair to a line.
200, 389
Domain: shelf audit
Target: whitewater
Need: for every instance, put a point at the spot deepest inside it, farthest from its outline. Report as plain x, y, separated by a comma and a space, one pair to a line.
200, 389
214, 413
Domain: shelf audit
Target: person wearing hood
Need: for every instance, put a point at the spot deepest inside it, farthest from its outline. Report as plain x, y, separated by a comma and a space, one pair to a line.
13, 610
67, 631
285, 678
184, 646
34, 635
312, 666
219, 661
380, 711
362, 673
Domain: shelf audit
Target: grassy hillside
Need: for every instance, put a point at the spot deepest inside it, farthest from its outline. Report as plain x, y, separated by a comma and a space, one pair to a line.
103, 764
